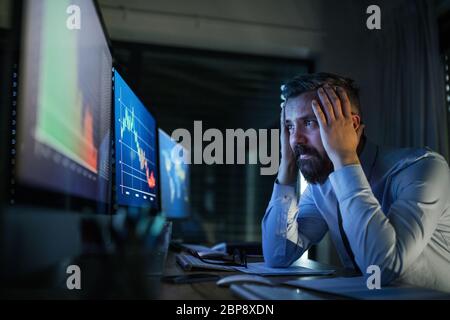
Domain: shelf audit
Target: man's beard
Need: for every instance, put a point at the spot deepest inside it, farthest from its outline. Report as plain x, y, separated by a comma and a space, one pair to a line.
317, 168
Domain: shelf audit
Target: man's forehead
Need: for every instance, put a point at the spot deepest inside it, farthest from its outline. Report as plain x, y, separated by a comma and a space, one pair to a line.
300, 106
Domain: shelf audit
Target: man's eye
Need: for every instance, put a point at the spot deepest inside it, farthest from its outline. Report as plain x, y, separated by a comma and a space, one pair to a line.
289, 126
309, 123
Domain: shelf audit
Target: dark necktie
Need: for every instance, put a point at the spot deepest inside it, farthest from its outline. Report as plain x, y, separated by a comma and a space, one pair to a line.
345, 240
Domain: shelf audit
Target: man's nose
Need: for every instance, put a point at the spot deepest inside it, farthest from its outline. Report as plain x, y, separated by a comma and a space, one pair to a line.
300, 137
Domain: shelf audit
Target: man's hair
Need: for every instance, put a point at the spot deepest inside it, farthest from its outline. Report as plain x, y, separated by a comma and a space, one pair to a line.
312, 82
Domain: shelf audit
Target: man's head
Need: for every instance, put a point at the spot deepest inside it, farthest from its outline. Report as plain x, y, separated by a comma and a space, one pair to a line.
304, 131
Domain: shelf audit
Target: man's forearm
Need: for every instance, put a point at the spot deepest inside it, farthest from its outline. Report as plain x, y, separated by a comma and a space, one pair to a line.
288, 228
391, 240
277, 227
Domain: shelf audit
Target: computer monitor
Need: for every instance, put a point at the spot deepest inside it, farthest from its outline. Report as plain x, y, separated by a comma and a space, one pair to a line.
60, 129
136, 147
64, 105
175, 180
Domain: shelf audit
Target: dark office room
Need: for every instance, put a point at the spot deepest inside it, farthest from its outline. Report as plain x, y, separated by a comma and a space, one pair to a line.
207, 153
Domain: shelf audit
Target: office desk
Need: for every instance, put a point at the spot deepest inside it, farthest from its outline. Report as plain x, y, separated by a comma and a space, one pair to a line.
106, 279
112, 278
210, 291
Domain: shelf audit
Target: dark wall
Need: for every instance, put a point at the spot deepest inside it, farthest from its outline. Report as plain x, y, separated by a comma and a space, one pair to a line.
223, 90
7, 54
444, 36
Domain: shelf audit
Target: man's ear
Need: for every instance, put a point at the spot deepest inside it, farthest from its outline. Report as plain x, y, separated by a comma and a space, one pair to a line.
358, 125
356, 121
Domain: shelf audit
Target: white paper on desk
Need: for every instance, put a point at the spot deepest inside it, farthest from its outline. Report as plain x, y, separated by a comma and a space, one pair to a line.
261, 269
262, 292
356, 287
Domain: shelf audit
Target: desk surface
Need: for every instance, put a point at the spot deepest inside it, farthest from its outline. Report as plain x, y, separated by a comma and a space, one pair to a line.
128, 277
113, 278
210, 291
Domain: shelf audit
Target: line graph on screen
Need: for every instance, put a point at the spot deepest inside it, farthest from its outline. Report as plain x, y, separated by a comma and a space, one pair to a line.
137, 169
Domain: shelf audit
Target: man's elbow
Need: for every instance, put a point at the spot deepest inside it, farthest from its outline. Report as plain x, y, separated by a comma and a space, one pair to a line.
276, 261
276, 258
280, 254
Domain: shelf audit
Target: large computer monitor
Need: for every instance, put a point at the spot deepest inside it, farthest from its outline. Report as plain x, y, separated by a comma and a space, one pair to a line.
175, 180
60, 136
64, 105
136, 148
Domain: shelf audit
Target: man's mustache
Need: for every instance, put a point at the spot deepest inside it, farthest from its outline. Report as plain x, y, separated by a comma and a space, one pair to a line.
305, 150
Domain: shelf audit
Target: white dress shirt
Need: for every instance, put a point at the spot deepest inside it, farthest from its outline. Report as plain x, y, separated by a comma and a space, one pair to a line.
395, 210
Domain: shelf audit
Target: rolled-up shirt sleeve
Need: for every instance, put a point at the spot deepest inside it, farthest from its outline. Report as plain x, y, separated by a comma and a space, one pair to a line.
394, 238
289, 228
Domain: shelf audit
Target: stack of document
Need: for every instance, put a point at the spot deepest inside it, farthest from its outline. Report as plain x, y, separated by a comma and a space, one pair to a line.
353, 288
356, 288
261, 292
188, 262
263, 270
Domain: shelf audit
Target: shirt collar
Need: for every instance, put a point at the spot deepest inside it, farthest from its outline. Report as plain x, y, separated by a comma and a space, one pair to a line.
368, 157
